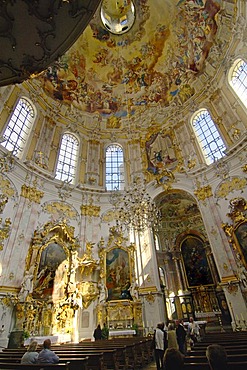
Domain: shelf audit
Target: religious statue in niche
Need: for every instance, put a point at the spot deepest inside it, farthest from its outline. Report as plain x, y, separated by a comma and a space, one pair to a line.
118, 274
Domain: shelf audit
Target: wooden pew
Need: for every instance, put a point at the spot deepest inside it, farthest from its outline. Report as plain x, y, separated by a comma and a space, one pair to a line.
95, 360
17, 366
205, 366
231, 358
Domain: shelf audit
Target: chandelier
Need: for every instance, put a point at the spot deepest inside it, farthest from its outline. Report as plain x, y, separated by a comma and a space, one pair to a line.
137, 210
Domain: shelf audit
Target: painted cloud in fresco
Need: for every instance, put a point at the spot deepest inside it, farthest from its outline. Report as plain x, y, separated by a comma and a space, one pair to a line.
154, 64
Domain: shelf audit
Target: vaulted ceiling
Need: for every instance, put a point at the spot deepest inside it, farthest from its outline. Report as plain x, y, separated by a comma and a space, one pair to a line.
126, 81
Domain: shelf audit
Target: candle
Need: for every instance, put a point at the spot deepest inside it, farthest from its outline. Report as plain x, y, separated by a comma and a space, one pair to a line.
237, 317
242, 317
147, 325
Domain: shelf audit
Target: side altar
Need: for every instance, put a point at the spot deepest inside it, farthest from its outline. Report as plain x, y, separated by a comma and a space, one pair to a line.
119, 307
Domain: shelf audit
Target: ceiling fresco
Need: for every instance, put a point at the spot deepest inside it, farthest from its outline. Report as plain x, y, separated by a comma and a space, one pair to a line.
153, 65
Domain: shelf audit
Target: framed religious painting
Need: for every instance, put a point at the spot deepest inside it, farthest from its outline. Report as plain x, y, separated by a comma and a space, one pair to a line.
118, 274
197, 270
240, 236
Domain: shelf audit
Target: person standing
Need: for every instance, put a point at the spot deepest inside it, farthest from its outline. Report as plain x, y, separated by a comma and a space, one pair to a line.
97, 334
46, 356
171, 336
31, 356
193, 331
181, 336
159, 346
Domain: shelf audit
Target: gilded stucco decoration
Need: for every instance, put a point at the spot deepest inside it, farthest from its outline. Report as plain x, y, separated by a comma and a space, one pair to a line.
203, 192
60, 209
5, 227
3, 202
87, 263
169, 46
90, 210
109, 215
230, 185
7, 187
31, 193
7, 163
236, 231
89, 293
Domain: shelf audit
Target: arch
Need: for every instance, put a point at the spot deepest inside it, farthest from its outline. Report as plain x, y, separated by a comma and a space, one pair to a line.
19, 126
237, 78
67, 158
208, 136
114, 167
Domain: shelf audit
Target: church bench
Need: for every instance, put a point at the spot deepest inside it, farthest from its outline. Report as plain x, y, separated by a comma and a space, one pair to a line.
229, 351
17, 366
75, 362
205, 366
231, 358
109, 356
143, 354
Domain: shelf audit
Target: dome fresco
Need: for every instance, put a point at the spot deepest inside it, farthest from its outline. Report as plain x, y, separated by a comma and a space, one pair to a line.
157, 63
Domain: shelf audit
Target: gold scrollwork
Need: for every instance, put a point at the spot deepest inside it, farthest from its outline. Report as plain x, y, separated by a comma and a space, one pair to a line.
33, 194
228, 186
90, 210
203, 192
4, 231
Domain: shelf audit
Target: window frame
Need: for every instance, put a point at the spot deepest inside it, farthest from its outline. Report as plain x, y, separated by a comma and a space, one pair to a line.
123, 172
205, 155
21, 153
229, 80
74, 179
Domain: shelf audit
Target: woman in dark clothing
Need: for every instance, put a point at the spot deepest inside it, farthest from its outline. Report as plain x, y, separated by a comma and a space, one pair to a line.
97, 333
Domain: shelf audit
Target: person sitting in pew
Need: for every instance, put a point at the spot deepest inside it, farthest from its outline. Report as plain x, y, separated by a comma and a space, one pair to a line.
217, 357
173, 359
46, 356
31, 356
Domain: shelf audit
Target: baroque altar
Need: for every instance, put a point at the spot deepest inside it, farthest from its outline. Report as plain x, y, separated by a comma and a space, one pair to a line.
119, 305
56, 284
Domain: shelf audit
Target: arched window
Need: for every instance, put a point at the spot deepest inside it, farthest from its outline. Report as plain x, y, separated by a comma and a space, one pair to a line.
67, 159
208, 136
19, 127
238, 79
114, 165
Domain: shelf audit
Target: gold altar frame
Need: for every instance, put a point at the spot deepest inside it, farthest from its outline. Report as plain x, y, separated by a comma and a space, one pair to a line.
51, 233
237, 231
